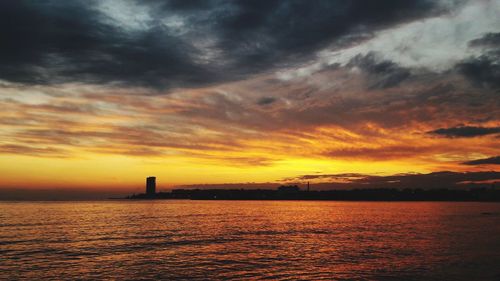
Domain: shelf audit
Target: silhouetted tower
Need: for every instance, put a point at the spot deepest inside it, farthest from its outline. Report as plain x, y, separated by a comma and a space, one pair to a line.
307, 186
151, 185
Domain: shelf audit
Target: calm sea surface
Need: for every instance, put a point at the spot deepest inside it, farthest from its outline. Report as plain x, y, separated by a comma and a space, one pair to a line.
249, 240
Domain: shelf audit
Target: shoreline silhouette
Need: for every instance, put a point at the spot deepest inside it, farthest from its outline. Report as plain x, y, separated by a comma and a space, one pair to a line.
491, 194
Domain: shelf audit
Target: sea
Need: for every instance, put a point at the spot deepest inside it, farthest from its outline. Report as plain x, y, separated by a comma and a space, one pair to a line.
249, 240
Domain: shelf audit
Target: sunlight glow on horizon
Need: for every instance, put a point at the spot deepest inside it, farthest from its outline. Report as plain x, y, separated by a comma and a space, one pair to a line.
207, 95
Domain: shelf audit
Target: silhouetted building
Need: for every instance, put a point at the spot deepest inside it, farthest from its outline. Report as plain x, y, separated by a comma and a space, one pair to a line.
151, 185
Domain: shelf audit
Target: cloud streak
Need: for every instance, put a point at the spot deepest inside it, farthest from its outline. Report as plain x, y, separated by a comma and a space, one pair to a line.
495, 160
436, 180
466, 131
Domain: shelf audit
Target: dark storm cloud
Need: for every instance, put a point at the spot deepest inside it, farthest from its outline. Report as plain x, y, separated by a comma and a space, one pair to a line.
52, 42
382, 74
491, 160
260, 33
466, 131
73, 41
266, 100
483, 70
488, 40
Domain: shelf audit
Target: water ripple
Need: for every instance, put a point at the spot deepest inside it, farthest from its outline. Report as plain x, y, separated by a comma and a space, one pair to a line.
224, 240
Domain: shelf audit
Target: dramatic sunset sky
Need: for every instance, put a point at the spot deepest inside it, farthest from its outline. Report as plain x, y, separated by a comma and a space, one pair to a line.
98, 94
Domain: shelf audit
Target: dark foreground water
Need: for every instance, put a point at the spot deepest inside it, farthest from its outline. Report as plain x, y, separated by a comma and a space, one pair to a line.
249, 240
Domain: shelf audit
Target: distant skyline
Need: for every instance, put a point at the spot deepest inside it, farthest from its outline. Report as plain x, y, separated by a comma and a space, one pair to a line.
101, 94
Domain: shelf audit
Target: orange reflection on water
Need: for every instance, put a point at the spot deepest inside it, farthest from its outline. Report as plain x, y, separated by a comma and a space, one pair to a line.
249, 240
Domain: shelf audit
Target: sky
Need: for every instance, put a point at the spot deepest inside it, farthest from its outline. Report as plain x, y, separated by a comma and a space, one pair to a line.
100, 94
